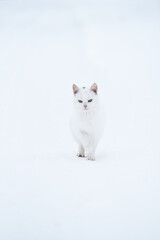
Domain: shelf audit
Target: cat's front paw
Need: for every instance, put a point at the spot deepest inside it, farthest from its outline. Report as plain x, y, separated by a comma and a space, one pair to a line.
80, 155
91, 158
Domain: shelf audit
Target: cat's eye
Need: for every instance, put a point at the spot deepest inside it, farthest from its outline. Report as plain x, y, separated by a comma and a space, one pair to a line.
80, 101
90, 100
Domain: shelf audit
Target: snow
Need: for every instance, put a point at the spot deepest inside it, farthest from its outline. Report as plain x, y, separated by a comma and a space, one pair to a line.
46, 192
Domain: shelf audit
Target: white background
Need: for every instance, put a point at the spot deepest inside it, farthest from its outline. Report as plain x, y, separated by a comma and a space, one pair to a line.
46, 192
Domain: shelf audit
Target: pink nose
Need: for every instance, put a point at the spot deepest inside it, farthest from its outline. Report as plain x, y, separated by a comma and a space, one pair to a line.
85, 106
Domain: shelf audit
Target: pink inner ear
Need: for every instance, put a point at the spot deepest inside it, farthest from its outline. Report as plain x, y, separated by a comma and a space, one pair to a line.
94, 88
75, 89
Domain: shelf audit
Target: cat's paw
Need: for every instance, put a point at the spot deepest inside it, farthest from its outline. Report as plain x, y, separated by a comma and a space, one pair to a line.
80, 155
91, 158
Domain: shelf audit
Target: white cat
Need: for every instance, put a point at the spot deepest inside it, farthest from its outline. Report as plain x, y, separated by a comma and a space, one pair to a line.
87, 121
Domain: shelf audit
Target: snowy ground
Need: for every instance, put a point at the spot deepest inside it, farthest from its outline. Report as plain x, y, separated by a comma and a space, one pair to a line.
45, 191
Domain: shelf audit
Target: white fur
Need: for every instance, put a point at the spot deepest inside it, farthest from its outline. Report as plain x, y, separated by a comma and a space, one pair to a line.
87, 124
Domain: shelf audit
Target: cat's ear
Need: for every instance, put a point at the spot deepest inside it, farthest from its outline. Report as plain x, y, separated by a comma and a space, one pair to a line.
75, 89
94, 88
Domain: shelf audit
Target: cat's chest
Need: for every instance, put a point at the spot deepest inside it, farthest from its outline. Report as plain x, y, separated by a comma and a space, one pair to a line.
86, 122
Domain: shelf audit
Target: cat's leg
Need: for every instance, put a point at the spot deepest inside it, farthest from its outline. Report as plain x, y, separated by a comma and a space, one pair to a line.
90, 151
80, 150
89, 145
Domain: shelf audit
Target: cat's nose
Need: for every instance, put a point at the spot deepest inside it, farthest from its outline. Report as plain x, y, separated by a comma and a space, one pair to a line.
85, 106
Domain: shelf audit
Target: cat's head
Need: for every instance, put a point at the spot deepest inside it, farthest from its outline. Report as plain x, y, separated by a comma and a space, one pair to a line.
85, 99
